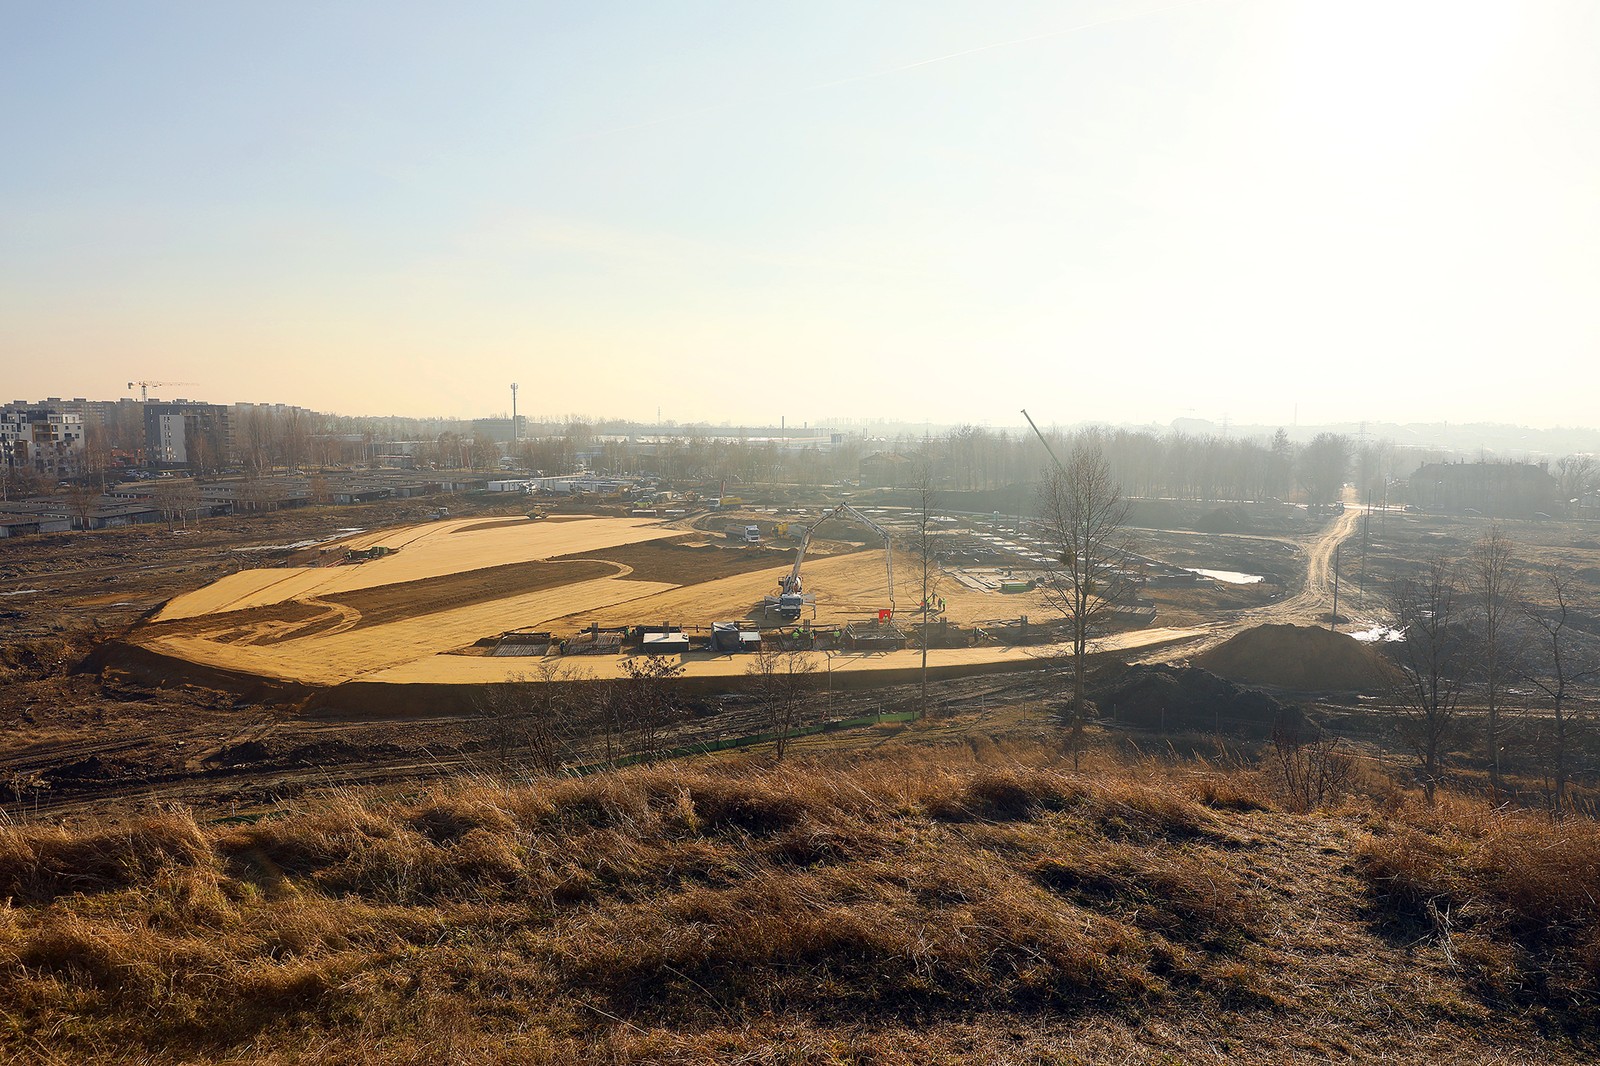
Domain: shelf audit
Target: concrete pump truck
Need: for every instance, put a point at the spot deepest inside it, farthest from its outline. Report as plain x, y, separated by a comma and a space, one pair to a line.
792, 599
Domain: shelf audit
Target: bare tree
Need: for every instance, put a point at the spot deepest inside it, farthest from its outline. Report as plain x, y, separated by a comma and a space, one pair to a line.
928, 572
1313, 766
1561, 667
1575, 477
524, 721
1434, 657
1496, 590
785, 682
81, 497
1085, 516
1323, 465
651, 702
96, 454
168, 500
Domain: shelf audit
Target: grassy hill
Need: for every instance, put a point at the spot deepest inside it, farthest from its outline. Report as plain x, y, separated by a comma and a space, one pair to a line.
973, 902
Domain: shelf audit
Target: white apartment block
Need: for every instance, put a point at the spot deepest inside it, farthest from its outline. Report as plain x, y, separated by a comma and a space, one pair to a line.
47, 441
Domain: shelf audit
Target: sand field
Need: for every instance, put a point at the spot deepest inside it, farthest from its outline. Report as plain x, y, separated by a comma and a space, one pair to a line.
408, 617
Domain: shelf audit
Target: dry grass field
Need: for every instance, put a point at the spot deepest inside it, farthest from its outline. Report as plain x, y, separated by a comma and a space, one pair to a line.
965, 902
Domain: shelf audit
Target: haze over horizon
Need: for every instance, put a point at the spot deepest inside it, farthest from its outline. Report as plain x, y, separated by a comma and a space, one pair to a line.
1102, 210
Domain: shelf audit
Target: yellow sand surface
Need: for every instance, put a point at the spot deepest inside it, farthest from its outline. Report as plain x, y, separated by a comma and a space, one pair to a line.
431, 550
845, 588
413, 648
332, 657
465, 670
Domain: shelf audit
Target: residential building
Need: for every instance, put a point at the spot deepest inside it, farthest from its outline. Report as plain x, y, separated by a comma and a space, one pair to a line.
44, 439
184, 433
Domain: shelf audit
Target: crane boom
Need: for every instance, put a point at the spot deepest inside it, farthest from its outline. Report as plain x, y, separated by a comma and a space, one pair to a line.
791, 599
1046, 443
146, 386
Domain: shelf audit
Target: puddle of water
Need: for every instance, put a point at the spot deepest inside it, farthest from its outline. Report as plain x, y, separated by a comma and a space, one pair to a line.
1230, 577
21, 592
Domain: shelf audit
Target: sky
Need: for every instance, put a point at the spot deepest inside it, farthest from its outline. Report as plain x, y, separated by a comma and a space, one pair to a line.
1263, 211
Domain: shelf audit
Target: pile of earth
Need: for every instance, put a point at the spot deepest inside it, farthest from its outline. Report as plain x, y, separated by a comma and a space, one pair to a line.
1178, 698
1224, 520
1304, 658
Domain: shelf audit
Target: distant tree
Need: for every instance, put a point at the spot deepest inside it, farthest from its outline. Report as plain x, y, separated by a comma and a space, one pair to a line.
81, 496
96, 461
1496, 590
295, 432
1373, 460
1434, 656
485, 453
925, 546
1561, 667
254, 436
1324, 463
168, 501
1084, 517
1575, 477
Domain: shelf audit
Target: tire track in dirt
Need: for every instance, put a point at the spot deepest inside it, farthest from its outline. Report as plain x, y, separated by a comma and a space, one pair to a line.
1305, 607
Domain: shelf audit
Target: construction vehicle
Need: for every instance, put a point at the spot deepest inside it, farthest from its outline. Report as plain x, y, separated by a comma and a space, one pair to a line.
791, 599
752, 534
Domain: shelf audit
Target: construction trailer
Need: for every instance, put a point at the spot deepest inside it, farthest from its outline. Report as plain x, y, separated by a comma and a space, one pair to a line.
662, 640
732, 638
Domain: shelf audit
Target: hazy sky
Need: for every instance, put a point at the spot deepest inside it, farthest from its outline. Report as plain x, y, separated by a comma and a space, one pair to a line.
1098, 209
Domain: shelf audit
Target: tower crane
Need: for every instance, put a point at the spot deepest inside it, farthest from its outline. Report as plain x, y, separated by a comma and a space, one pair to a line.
146, 386
791, 600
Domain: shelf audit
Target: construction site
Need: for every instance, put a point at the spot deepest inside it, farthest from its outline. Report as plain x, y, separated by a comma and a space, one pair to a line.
468, 601
253, 656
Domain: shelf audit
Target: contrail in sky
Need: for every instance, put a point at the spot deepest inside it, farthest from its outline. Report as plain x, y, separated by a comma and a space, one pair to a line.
853, 79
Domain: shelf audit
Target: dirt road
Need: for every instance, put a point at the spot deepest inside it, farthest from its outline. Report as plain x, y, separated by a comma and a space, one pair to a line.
1315, 598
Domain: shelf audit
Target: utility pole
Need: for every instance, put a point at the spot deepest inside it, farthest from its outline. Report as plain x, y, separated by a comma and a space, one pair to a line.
516, 434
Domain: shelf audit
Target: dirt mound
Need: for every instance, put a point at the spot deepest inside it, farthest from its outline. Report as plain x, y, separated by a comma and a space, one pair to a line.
1178, 698
1298, 657
1224, 520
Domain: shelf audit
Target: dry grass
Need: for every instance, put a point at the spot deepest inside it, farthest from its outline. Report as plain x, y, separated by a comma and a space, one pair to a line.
1511, 897
960, 903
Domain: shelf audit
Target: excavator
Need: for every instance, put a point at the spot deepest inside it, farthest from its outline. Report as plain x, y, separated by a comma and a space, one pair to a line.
791, 600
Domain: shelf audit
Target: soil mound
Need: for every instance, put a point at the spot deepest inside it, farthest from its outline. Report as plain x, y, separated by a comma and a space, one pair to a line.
1298, 657
1177, 698
1224, 520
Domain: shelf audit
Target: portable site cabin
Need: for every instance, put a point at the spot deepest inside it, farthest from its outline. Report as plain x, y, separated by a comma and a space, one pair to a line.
734, 637
663, 641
